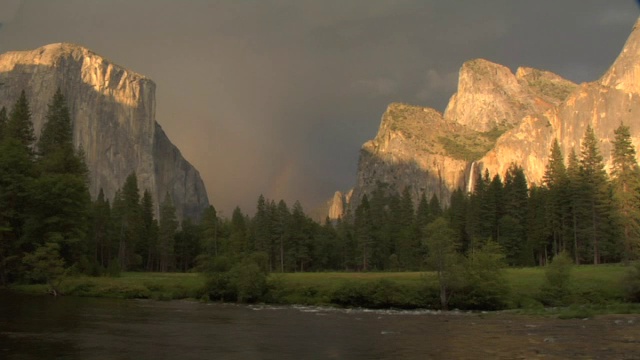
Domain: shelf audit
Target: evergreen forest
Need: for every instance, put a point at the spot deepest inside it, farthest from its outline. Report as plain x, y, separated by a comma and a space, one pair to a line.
49, 221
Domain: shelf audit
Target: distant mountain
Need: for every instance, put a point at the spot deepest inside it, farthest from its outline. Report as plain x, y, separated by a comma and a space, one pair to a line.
113, 110
497, 118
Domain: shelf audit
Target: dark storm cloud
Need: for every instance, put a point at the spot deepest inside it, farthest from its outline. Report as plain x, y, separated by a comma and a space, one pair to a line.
276, 97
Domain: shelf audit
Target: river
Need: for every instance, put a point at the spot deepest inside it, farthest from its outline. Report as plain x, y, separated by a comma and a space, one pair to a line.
85, 328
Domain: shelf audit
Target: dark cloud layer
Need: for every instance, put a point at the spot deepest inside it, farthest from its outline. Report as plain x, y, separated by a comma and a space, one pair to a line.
276, 97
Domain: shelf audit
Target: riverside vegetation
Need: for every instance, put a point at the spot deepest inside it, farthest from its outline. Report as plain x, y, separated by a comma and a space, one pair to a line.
476, 254
591, 290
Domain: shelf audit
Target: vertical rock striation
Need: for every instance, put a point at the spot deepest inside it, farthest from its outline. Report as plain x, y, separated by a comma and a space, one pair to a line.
604, 104
497, 118
113, 110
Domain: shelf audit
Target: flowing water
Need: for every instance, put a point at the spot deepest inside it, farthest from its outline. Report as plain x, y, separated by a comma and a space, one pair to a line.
84, 328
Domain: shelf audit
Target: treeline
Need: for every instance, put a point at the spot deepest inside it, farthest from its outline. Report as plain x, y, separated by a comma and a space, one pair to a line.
50, 226
44, 196
578, 209
48, 221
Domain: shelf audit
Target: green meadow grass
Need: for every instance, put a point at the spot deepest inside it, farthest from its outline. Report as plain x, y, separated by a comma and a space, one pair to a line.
596, 289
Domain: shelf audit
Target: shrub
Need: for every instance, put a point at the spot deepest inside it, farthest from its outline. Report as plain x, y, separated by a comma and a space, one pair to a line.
556, 290
114, 270
243, 282
632, 283
249, 281
219, 287
351, 294
485, 286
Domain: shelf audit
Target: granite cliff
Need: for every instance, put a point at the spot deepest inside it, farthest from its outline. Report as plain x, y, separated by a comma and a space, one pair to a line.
496, 118
113, 110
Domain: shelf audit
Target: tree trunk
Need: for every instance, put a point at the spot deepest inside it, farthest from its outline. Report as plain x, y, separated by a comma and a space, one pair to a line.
575, 240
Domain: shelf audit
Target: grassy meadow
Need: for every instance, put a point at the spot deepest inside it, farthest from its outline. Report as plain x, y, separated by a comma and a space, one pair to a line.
595, 289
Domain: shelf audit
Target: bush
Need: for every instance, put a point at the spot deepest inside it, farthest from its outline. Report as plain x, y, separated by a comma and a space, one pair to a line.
351, 294
219, 287
244, 282
485, 286
114, 270
249, 281
556, 291
632, 283
380, 294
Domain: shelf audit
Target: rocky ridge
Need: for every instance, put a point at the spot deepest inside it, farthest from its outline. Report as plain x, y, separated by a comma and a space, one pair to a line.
496, 118
113, 110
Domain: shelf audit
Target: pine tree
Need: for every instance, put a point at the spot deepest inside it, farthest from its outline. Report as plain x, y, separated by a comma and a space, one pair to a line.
57, 131
493, 207
512, 223
238, 237
435, 208
167, 228
555, 179
347, 241
187, 245
596, 194
300, 239
100, 232
282, 231
422, 212
261, 226
19, 126
148, 245
625, 175
128, 222
4, 118
60, 200
363, 229
575, 192
210, 232
407, 241
536, 226
458, 215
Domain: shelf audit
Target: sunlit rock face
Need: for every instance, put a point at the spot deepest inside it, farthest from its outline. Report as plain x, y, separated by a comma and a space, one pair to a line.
337, 206
490, 96
604, 104
408, 152
497, 118
113, 110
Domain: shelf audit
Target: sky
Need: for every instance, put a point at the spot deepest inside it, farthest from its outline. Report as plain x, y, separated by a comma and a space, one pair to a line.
276, 97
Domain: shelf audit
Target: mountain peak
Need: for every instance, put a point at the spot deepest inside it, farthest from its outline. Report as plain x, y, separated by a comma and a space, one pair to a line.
55, 55
624, 74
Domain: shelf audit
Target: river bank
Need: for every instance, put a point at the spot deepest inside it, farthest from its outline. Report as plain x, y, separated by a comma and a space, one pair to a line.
595, 290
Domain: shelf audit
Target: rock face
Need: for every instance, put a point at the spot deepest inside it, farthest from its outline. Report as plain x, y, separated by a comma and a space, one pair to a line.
604, 104
113, 110
408, 152
334, 208
490, 96
497, 118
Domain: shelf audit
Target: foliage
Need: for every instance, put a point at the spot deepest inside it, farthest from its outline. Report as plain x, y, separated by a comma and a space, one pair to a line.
443, 258
556, 290
485, 286
631, 283
246, 281
45, 265
472, 145
625, 176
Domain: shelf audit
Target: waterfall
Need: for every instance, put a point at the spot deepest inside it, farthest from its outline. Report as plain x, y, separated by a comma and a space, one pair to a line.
471, 177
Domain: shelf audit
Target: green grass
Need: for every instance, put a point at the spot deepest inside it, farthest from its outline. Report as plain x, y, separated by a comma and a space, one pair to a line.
131, 285
471, 145
596, 289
